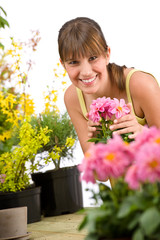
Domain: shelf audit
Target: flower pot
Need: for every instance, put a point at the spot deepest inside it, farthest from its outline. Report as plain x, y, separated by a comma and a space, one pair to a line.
29, 198
61, 191
13, 223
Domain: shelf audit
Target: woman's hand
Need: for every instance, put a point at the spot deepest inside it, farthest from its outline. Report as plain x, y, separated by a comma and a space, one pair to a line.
91, 127
127, 124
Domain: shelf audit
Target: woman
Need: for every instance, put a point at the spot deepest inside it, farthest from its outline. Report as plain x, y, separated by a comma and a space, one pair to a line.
85, 55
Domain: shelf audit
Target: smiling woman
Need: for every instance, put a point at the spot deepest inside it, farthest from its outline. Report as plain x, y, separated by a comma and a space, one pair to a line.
85, 56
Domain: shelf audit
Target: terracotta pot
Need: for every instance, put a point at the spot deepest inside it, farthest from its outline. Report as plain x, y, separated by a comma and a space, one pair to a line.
13, 223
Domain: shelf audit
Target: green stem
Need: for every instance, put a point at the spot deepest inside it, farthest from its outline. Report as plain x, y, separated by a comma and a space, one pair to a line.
103, 122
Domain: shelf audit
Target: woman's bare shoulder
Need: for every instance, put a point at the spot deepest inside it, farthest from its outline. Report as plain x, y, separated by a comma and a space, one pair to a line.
71, 98
142, 83
70, 94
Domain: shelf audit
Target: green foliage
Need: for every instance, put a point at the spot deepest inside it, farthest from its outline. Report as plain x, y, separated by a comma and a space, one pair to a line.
61, 129
124, 213
104, 133
3, 23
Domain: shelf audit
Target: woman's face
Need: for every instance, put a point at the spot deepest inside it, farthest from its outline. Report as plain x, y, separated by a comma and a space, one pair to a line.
88, 73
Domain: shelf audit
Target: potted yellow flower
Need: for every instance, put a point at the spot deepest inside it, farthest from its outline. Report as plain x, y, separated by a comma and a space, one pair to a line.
16, 189
130, 209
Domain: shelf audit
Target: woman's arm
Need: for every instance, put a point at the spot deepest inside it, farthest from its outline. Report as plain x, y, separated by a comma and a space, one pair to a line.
77, 118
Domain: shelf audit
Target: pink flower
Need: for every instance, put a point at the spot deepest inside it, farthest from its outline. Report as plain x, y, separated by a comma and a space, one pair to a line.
2, 178
91, 161
102, 161
151, 135
119, 108
99, 108
116, 157
103, 107
94, 116
131, 177
148, 163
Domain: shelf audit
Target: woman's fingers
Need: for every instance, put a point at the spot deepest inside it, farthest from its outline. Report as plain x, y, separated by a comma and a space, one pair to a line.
126, 124
91, 127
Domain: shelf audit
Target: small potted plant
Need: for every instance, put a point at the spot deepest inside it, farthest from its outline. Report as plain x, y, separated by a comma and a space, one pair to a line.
130, 208
61, 188
16, 189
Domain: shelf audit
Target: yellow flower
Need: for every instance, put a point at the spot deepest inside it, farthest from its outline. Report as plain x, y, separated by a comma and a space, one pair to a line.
56, 75
65, 73
70, 142
54, 91
5, 135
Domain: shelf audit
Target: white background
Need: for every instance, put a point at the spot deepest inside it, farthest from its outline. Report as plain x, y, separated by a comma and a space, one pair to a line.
131, 28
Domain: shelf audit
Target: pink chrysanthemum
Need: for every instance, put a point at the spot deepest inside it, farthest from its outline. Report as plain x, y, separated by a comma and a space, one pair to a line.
99, 108
148, 163
151, 135
106, 160
119, 108
116, 157
103, 107
91, 164
131, 177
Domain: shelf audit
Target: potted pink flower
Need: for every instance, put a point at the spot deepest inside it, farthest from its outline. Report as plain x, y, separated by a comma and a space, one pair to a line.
130, 209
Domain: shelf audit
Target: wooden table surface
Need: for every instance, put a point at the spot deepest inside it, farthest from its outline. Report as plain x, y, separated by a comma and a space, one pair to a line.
64, 227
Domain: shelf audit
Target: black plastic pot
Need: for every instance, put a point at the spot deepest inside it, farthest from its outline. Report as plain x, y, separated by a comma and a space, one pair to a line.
61, 191
29, 197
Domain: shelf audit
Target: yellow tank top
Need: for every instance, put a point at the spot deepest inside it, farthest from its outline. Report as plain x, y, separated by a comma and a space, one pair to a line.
141, 121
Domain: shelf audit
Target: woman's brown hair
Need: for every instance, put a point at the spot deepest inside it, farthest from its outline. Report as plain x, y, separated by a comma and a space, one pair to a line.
83, 36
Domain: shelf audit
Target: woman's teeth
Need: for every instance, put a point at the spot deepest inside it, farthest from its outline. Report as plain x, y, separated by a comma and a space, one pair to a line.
89, 80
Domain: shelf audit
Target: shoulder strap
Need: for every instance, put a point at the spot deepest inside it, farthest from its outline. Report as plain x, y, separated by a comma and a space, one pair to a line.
127, 86
142, 121
82, 102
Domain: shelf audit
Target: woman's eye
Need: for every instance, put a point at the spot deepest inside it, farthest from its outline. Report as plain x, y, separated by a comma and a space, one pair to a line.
92, 58
73, 62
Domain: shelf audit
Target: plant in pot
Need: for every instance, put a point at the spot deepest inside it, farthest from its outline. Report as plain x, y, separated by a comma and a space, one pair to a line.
61, 188
16, 189
15, 105
130, 208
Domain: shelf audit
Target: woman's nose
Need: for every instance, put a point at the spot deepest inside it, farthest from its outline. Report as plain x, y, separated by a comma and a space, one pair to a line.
86, 69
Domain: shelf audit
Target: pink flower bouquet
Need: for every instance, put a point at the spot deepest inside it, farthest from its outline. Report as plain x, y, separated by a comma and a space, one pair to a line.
130, 209
103, 110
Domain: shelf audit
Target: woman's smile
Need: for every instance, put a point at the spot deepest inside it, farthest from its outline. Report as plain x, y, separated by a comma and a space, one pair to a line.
89, 81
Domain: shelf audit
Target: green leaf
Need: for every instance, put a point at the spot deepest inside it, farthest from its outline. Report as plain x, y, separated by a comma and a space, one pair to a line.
150, 220
93, 140
130, 204
3, 11
3, 22
1, 46
138, 235
134, 221
127, 206
83, 223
